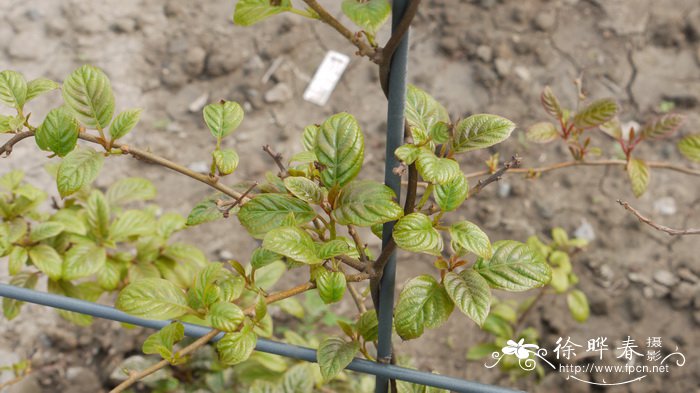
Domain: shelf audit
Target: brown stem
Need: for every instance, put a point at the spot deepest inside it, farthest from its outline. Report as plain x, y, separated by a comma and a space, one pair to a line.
659, 227
353, 263
529, 308
358, 299
496, 176
359, 244
383, 57
227, 206
364, 48
135, 377
6, 148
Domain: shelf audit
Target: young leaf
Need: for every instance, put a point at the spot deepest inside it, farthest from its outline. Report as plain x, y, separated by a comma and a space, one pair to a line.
340, 148
267, 211
109, 276
78, 169
468, 237
205, 211
58, 133
663, 126
162, 341
638, 173
98, 214
130, 189
423, 303
370, 15
551, 104
440, 132
365, 203
293, 243
17, 260
689, 146
124, 123
596, 113
304, 189
169, 223
13, 89
5, 124
334, 354
408, 154
308, 139
481, 351
226, 161
331, 286
226, 316
578, 305
415, 232
11, 307
249, 12
153, 298
40, 86
449, 196
470, 292
45, 230
88, 93
46, 259
236, 347
267, 276
263, 257
422, 113
543, 132
335, 247
223, 117
481, 131
132, 223
436, 170
513, 267
298, 379
368, 325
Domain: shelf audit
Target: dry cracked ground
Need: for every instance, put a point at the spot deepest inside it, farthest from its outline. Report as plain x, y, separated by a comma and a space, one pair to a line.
171, 56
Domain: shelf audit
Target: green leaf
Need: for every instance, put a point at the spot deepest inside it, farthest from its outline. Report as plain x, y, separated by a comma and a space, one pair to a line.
88, 92
551, 103
422, 113
309, 137
169, 223
340, 149
261, 386
415, 232
40, 86
578, 305
408, 154
298, 379
596, 113
58, 133
331, 286
205, 211
513, 267
98, 214
153, 298
46, 259
45, 230
365, 203
223, 117
368, 326
17, 260
72, 220
450, 195
263, 257
423, 303
11, 307
226, 161
498, 327
11, 180
260, 308
78, 169
481, 131
468, 237
543, 132
162, 341
124, 123
110, 275
663, 126
293, 243
334, 248
267, 276
304, 189
132, 223
334, 354
225, 316
370, 15
291, 306
265, 212
13, 89
470, 292
440, 132
638, 173
249, 12
236, 347
481, 351
436, 170
689, 146
5, 124
130, 189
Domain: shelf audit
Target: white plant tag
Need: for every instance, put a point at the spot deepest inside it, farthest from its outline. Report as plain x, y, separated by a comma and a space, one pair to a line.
326, 78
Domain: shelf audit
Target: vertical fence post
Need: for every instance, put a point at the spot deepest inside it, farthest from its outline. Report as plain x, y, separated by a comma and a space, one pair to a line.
394, 139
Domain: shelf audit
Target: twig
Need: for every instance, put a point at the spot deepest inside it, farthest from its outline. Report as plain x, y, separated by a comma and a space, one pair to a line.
383, 56
359, 300
6, 148
277, 157
496, 176
529, 308
227, 206
359, 244
135, 377
363, 47
659, 227
353, 263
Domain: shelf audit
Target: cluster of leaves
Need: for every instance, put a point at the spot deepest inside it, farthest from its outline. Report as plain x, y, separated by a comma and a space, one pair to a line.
505, 319
602, 115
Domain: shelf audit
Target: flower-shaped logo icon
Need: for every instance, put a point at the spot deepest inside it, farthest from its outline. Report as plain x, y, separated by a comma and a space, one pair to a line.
519, 349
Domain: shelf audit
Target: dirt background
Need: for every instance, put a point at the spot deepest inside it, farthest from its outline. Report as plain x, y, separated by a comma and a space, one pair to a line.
475, 56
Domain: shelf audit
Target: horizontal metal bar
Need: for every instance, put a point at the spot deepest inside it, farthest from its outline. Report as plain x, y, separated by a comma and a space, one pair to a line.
263, 345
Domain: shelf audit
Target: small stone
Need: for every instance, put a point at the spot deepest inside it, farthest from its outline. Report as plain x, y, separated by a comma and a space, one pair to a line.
585, 231
194, 60
198, 104
124, 25
660, 291
281, 92
543, 209
503, 66
504, 189
635, 306
682, 295
449, 44
522, 73
638, 278
599, 302
199, 167
26, 45
83, 380
485, 53
606, 275
666, 278
665, 206
686, 274
648, 292
225, 255
545, 21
